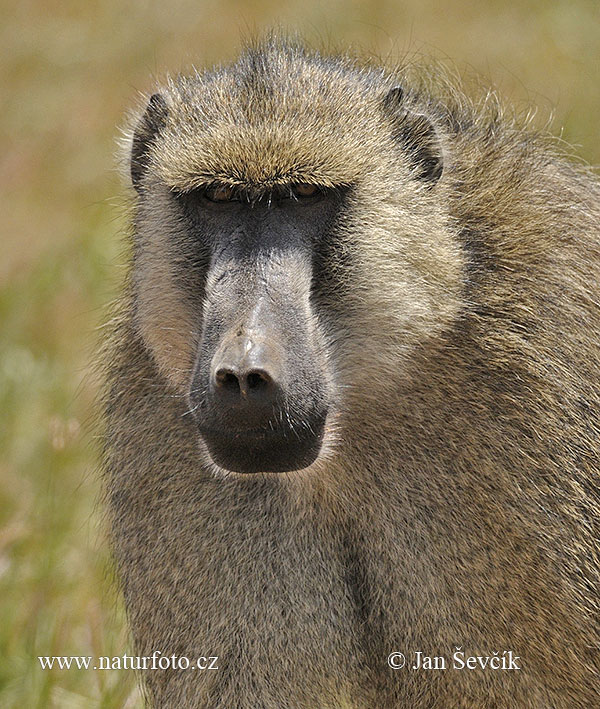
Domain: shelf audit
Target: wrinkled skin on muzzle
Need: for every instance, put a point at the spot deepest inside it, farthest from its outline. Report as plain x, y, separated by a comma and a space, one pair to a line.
260, 387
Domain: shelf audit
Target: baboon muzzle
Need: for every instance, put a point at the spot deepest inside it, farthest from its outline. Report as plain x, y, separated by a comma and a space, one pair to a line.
259, 390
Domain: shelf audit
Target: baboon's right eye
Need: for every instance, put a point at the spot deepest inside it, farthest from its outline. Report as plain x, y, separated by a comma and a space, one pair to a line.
220, 193
304, 190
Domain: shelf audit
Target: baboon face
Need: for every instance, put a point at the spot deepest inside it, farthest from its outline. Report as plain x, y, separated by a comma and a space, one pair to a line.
284, 244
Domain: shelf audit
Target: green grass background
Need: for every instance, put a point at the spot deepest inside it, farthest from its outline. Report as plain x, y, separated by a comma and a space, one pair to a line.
69, 71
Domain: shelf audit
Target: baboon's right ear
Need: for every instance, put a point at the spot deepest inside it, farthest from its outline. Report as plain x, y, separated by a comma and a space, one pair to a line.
417, 135
151, 123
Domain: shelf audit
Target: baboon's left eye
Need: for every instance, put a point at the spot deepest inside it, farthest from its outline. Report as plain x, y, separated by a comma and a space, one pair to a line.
305, 190
220, 193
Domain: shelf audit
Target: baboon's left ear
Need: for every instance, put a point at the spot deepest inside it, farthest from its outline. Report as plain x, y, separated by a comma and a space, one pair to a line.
151, 123
418, 137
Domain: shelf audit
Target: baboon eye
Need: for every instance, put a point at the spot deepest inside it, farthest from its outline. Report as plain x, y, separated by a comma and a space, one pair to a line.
220, 193
305, 190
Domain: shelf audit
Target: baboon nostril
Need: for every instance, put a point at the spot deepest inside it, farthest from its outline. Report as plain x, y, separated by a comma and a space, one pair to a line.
258, 379
227, 379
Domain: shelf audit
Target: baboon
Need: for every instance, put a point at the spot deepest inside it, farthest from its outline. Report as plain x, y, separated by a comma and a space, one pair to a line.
352, 401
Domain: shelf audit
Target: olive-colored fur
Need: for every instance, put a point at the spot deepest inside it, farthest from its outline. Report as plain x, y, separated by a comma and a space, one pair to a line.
455, 502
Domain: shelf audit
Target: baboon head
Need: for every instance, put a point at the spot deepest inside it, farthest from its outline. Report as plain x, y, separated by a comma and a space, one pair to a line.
292, 247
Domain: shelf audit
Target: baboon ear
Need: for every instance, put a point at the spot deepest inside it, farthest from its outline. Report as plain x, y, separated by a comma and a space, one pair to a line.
417, 136
151, 123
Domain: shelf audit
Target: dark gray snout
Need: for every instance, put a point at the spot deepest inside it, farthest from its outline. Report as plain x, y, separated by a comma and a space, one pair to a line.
260, 386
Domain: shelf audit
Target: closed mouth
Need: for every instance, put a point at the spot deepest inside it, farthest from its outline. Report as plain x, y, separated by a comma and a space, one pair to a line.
263, 449
261, 432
